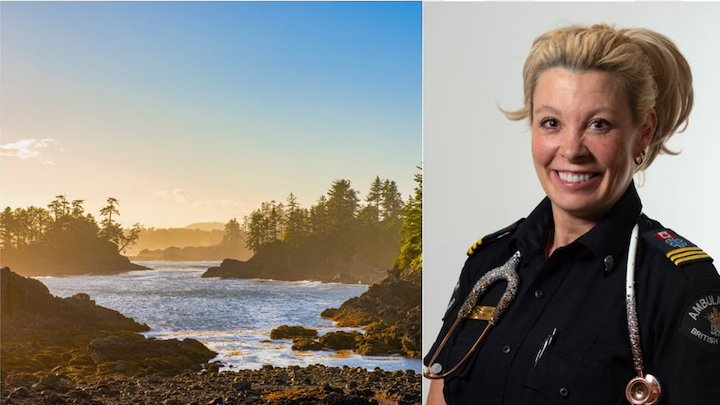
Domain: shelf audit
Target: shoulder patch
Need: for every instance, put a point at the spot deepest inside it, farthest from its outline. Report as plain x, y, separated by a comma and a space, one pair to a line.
676, 248
701, 320
484, 241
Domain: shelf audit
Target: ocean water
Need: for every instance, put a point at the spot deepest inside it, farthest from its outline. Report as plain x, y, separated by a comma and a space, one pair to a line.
233, 317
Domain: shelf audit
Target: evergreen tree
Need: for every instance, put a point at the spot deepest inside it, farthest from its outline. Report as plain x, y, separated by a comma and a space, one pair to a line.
411, 250
342, 207
319, 219
254, 236
297, 222
233, 234
112, 231
375, 196
392, 202
8, 229
109, 229
40, 222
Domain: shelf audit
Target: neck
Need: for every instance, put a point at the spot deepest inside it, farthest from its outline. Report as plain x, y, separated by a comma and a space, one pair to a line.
566, 229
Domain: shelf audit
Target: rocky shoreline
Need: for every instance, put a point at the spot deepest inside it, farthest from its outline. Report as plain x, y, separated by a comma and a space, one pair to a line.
71, 351
294, 385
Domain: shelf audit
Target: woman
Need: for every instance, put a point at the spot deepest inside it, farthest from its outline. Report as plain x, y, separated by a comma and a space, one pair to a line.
602, 103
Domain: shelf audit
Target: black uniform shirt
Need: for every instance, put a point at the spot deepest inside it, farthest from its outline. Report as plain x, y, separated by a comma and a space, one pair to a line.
580, 291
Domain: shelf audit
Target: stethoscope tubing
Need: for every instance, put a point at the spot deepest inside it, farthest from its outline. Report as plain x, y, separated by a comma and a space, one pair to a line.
641, 390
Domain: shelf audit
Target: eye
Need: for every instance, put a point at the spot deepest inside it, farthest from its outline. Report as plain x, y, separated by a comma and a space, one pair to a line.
549, 123
600, 125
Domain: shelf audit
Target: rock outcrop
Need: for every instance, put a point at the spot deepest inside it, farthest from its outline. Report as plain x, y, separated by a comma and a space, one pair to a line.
280, 261
29, 311
390, 311
35, 261
41, 333
291, 332
132, 352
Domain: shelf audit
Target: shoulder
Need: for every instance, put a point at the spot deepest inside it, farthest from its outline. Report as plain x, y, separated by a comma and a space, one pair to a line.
695, 283
477, 263
490, 238
676, 251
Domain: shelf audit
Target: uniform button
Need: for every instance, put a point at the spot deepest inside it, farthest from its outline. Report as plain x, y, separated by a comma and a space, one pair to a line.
564, 392
608, 263
436, 368
506, 349
539, 293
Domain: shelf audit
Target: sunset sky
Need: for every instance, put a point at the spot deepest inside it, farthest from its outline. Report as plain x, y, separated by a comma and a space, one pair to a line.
195, 112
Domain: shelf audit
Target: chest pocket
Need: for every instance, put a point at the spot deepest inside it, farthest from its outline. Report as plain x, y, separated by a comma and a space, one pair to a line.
561, 376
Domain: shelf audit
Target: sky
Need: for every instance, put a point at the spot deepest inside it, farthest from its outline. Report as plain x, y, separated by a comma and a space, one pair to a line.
197, 112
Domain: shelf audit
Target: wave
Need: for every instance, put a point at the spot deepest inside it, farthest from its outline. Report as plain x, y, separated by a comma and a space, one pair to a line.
233, 317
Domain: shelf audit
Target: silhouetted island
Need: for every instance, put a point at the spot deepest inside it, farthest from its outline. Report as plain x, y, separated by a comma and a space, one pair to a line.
282, 261
65, 240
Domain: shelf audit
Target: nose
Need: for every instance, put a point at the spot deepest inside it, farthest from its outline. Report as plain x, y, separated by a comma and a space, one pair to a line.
573, 145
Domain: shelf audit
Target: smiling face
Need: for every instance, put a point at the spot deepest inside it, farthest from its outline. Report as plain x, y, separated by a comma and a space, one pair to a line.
584, 141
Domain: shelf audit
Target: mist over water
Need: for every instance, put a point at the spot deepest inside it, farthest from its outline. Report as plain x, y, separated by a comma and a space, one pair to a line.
233, 317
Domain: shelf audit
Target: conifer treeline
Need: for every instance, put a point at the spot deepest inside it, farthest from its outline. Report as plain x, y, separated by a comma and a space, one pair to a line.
411, 251
337, 225
63, 226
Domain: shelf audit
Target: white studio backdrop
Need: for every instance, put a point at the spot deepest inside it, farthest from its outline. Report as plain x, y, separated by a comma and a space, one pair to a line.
478, 171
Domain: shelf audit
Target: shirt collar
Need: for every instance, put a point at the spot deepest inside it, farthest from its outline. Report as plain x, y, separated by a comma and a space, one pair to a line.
607, 238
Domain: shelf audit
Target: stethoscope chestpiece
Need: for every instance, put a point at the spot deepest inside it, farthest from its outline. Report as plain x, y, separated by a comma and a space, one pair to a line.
643, 390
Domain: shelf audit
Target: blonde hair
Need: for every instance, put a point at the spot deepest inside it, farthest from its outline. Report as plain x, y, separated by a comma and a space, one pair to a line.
650, 66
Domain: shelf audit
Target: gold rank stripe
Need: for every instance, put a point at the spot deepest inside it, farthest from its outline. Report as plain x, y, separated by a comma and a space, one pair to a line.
474, 247
694, 257
686, 254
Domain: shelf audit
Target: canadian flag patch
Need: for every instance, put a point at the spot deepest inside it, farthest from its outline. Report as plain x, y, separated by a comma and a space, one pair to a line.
664, 235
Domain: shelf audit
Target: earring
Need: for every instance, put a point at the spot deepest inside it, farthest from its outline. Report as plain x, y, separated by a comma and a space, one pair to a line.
640, 159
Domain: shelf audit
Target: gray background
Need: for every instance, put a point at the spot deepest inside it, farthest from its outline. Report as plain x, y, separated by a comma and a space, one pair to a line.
478, 171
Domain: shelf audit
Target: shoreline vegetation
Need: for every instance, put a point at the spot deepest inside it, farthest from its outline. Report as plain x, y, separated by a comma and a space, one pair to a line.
69, 350
65, 240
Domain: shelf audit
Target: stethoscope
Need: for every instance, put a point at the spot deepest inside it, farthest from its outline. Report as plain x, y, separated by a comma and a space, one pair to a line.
641, 390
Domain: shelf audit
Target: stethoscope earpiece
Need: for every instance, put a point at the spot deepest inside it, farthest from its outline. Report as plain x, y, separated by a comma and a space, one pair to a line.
643, 390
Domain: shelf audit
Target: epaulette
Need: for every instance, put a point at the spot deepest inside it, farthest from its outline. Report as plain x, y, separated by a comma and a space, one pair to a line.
679, 250
484, 241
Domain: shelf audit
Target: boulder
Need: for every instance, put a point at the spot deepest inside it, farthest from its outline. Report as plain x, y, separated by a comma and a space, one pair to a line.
136, 347
143, 355
290, 332
372, 347
230, 268
329, 313
304, 343
340, 340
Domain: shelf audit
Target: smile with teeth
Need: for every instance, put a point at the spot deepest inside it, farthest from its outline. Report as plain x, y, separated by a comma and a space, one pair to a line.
574, 178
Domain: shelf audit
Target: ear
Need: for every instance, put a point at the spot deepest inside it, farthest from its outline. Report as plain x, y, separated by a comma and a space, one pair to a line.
647, 130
